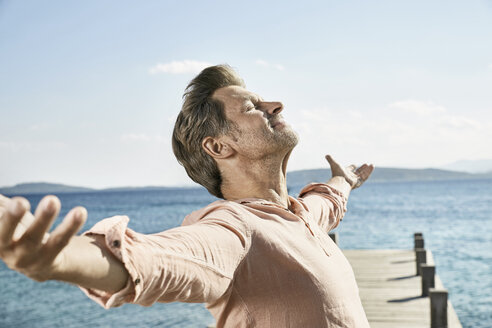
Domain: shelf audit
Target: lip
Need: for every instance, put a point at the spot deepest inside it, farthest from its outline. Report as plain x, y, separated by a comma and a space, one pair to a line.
277, 123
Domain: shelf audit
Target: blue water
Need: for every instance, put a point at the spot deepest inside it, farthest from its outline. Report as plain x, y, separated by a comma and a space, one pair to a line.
454, 216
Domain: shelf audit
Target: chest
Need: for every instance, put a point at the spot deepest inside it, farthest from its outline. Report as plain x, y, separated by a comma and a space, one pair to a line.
296, 257
299, 242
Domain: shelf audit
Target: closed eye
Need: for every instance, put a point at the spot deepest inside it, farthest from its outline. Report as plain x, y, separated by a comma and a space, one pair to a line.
252, 108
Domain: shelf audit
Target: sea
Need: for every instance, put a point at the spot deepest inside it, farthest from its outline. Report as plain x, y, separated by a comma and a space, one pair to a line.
455, 218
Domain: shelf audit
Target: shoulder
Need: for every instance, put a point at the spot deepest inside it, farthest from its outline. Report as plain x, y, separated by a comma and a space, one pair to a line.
225, 214
221, 210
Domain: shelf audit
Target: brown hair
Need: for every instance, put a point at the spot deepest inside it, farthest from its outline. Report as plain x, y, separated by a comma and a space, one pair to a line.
202, 116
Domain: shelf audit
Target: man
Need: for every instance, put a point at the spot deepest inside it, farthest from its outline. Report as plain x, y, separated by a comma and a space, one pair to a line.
258, 258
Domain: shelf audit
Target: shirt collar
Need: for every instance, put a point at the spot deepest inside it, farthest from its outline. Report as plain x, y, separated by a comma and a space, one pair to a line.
295, 207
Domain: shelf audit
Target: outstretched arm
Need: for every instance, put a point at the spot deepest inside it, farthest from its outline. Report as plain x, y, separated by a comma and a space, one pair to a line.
26, 247
114, 264
327, 201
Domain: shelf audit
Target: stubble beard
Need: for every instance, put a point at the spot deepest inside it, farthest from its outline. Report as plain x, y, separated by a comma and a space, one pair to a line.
278, 143
286, 138
268, 143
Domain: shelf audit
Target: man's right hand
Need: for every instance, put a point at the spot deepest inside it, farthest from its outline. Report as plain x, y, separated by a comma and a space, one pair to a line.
29, 249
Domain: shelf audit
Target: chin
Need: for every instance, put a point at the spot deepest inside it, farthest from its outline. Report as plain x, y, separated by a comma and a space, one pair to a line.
288, 138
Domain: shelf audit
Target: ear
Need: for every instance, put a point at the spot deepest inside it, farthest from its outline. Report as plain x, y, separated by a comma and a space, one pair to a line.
217, 147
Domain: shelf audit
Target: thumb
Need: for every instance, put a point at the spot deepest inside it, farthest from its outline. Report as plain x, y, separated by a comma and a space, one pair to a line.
329, 159
334, 166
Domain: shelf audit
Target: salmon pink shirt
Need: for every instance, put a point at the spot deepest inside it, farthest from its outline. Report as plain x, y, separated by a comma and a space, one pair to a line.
252, 262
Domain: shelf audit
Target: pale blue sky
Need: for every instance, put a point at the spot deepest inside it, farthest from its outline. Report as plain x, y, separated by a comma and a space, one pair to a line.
83, 100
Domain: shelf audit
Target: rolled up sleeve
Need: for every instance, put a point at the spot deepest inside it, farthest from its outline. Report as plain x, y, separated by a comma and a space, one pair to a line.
326, 204
194, 263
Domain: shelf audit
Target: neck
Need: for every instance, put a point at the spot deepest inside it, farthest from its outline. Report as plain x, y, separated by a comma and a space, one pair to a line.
262, 178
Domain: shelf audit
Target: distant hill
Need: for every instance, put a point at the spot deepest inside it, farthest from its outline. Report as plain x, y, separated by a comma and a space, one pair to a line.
41, 188
54, 188
470, 166
146, 188
294, 178
386, 174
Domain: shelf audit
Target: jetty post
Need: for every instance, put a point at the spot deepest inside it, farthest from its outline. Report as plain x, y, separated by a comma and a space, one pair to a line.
418, 240
420, 258
439, 308
428, 277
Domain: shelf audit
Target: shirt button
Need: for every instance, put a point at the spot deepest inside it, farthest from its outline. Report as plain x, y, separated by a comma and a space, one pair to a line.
137, 281
116, 243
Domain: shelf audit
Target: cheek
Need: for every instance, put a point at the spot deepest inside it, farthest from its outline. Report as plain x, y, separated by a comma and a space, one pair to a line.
256, 126
256, 136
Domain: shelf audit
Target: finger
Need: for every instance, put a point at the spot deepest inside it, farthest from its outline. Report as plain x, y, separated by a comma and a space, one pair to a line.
46, 213
351, 167
361, 168
366, 168
362, 172
10, 218
365, 171
3, 201
370, 170
62, 234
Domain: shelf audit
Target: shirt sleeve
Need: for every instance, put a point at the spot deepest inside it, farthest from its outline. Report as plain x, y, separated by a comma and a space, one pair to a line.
326, 204
194, 263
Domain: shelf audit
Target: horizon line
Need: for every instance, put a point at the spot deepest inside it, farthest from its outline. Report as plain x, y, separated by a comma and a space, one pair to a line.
192, 185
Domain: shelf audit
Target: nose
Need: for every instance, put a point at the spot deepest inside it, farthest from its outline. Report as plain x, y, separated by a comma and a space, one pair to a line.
273, 107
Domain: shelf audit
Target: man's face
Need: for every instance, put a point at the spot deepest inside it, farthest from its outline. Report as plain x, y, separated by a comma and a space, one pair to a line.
259, 129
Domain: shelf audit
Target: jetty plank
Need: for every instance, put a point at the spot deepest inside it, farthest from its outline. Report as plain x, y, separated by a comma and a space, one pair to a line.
391, 291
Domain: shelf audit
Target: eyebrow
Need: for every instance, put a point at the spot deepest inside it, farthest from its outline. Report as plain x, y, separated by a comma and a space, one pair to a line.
254, 98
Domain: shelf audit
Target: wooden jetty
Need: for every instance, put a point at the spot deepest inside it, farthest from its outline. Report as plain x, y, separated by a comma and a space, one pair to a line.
394, 295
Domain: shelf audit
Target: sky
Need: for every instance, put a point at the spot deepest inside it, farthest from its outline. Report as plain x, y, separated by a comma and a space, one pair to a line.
89, 90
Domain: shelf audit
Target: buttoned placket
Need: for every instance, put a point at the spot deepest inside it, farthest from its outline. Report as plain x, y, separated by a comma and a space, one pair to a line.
302, 219
306, 223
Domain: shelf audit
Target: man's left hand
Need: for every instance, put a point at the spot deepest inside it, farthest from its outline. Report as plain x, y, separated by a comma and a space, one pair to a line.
354, 176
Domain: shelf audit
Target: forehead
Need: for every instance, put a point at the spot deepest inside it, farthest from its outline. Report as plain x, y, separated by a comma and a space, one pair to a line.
233, 96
